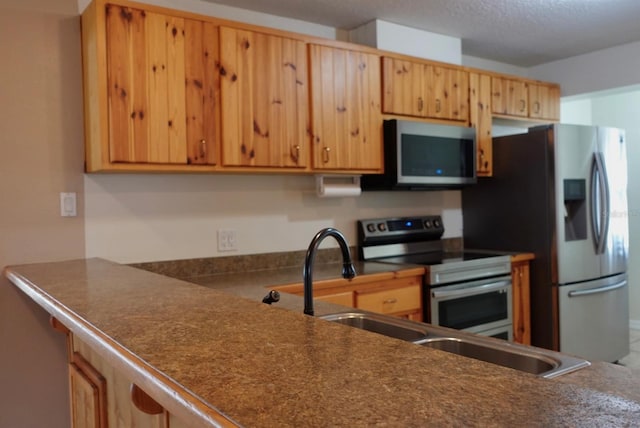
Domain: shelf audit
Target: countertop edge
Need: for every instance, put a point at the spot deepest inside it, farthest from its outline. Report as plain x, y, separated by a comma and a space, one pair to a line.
171, 395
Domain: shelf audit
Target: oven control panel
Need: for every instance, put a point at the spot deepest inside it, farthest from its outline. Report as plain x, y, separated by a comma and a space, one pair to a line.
399, 229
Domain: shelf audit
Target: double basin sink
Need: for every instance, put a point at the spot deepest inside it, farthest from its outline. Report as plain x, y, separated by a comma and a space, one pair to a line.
537, 361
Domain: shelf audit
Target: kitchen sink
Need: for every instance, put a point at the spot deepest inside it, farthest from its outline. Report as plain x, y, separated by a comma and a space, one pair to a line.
537, 361
388, 326
497, 354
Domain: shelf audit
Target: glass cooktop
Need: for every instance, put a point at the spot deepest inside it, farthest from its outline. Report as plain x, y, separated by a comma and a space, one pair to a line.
439, 257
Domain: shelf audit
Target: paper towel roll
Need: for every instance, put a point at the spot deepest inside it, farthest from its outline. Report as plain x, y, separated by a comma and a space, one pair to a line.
336, 187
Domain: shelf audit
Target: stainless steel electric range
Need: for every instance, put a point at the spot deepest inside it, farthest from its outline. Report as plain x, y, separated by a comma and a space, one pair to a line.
465, 290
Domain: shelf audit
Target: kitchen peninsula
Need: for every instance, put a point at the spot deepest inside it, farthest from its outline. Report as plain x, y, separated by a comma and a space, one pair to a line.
211, 358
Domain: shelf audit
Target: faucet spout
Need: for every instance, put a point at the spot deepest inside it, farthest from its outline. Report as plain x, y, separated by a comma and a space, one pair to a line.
348, 270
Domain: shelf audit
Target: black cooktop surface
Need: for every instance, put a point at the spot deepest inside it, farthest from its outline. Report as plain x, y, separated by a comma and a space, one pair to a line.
439, 257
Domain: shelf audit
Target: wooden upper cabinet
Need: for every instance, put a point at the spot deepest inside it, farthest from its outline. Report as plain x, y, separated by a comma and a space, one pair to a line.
481, 119
346, 118
264, 96
161, 88
403, 87
425, 90
509, 97
544, 101
447, 93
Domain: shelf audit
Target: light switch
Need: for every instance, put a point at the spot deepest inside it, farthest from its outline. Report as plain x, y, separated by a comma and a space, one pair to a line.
68, 204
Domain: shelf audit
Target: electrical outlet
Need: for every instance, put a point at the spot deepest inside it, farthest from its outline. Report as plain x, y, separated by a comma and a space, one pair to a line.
227, 240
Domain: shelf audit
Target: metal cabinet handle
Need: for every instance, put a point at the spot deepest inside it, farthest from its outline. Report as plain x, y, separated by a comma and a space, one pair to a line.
437, 106
537, 107
606, 288
389, 301
203, 148
325, 154
297, 149
420, 103
494, 286
523, 105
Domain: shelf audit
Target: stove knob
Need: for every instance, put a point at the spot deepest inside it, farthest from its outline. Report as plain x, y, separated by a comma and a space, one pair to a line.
382, 227
371, 227
427, 224
437, 223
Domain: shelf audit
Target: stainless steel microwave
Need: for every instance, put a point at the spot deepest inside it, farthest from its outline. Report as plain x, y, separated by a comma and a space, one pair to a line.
420, 155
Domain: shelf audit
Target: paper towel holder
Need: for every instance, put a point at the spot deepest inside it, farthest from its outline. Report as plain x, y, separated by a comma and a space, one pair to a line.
336, 185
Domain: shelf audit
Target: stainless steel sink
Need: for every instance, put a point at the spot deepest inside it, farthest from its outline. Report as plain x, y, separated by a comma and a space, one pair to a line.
537, 361
388, 326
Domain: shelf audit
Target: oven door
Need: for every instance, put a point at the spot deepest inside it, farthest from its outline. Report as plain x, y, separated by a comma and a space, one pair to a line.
475, 306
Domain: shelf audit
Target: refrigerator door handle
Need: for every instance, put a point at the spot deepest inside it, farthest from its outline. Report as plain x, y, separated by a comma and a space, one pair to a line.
597, 290
605, 213
599, 203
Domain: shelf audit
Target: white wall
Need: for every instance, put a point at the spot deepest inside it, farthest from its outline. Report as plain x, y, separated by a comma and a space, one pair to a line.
596, 71
498, 67
135, 218
40, 156
409, 41
576, 111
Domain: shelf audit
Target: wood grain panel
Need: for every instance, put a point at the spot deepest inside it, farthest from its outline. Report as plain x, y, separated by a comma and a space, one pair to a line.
447, 93
480, 118
520, 272
176, 90
391, 301
202, 94
120, 409
157, 75
509, 97
263, 82
119, 82
403, 87
544, 101
346, 117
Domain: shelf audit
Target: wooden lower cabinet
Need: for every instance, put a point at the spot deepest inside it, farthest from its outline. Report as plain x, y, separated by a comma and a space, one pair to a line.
403, 302
88, 395
401, 297
102, 397
521, 302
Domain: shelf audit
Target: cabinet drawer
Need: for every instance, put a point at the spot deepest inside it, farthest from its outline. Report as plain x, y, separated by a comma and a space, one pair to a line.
390, 301
344, 299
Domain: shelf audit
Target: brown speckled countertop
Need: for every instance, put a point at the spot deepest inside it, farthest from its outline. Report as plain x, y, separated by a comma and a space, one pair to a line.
203, 353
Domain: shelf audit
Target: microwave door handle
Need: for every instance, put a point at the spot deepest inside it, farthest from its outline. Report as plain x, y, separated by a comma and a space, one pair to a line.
473, 289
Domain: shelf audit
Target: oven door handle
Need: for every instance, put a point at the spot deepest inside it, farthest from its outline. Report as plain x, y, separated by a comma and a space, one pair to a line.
474, 289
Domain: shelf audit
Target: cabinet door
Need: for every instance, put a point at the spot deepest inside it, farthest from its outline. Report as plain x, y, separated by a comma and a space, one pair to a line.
480, 118
161, 88
346, 116
509, 97
447, 93
344, 298
521, 303
544, 101
265, 98
88, 395
403, 87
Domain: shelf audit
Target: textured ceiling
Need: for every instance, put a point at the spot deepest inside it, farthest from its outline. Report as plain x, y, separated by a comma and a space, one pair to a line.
519, 32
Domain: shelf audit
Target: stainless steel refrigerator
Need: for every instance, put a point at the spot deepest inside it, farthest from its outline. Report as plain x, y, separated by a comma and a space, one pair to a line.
560, 192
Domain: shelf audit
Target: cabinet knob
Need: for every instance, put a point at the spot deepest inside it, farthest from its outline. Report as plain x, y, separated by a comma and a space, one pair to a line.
325, 154
203, 148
